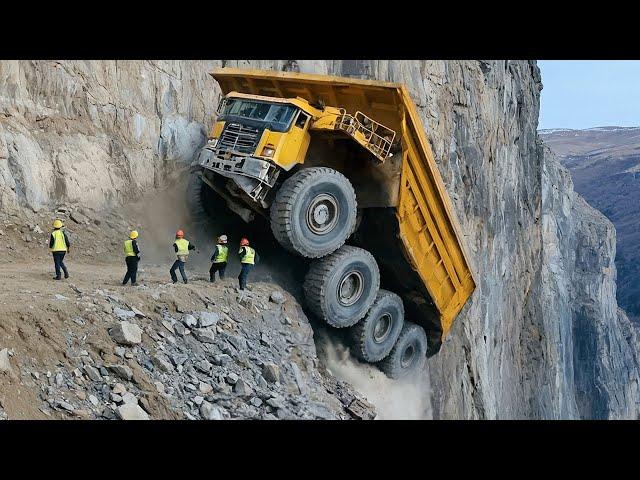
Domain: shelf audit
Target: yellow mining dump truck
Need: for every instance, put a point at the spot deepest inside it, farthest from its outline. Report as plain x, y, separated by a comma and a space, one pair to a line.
331, 160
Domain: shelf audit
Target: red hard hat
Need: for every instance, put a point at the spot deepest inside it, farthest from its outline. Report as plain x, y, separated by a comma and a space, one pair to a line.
179, 233
244, 242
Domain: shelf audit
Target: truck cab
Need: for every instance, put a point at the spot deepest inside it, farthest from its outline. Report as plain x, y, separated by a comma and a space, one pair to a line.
254, 138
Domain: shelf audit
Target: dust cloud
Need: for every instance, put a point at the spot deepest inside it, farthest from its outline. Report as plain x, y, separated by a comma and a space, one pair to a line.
160, 214
164, 210
406, 399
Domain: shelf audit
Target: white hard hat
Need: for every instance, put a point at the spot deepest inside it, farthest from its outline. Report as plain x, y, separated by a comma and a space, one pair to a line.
222, 238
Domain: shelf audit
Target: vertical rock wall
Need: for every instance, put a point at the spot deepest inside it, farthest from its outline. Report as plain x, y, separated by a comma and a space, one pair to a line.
97, 132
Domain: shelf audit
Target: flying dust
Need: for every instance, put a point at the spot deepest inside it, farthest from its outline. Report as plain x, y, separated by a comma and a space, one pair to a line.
406, 399
165, 210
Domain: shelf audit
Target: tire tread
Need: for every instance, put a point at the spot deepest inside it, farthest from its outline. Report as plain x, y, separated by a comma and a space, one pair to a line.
314, 283
358, 333
282, 206
390, 365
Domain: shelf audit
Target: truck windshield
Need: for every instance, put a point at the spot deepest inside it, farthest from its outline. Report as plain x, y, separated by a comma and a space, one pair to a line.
277, 114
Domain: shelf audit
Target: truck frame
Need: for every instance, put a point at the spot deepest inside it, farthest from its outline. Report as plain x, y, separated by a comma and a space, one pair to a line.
329, 160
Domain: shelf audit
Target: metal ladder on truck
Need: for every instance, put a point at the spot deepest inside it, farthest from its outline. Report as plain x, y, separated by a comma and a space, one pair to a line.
372, 135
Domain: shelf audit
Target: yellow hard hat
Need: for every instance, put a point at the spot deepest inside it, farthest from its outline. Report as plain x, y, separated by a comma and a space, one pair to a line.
57, 223
133, 235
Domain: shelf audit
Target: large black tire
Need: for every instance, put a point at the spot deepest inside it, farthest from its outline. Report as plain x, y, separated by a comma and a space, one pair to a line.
341, 287
408, 354
195, 198
314, 212
375, 335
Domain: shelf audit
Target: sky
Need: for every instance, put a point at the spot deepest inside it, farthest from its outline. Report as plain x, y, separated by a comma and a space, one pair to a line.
589, 93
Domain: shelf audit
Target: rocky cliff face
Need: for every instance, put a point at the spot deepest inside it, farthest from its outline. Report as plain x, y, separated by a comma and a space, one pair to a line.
605, 167
542, 336
579, 292
96, 132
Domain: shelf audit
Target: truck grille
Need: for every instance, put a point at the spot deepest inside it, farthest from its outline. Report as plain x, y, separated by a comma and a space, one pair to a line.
238, 138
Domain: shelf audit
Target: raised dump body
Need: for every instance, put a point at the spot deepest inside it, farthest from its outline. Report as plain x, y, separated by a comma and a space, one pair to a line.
370, 132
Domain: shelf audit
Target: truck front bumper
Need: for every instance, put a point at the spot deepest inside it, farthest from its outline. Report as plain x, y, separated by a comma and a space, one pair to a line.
252, 175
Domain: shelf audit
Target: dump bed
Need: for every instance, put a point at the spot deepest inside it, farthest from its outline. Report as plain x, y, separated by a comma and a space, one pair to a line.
428, 228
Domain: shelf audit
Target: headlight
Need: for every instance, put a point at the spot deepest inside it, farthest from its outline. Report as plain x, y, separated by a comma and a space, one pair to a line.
213, 142
268, 151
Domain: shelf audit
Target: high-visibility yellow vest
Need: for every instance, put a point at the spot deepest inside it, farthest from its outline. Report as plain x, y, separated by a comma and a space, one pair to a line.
249, 255
183, 246
59, 244
128, 248
223, 254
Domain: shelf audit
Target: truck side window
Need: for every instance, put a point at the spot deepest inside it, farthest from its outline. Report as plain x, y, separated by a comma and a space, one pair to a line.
221, 106
301, 121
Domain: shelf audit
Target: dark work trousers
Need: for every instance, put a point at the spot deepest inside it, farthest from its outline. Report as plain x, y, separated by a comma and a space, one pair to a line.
58, 258
244, 273
178, 264
217, 267
132, 270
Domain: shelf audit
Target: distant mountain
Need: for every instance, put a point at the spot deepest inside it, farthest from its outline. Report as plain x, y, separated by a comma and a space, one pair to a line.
605, 166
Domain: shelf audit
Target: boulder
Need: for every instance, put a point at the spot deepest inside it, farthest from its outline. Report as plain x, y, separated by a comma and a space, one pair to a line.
189, 320
277, 297
207, 319
205, 388
129, 397
271, 372
242, 388
93, 373
5, 362
204, 335
119, 389
222, 359
162, 363
78, 217
126, 333
122, 371
123, 314
212, 412
131, 411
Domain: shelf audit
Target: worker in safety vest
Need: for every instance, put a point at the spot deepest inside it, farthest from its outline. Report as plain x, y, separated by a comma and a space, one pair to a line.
248, 258
59, 245
181, 247
219, 259
131, 258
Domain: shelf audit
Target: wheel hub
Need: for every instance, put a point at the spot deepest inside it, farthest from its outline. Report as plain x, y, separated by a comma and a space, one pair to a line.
407, 356
322, 214
382, 328
350, 288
